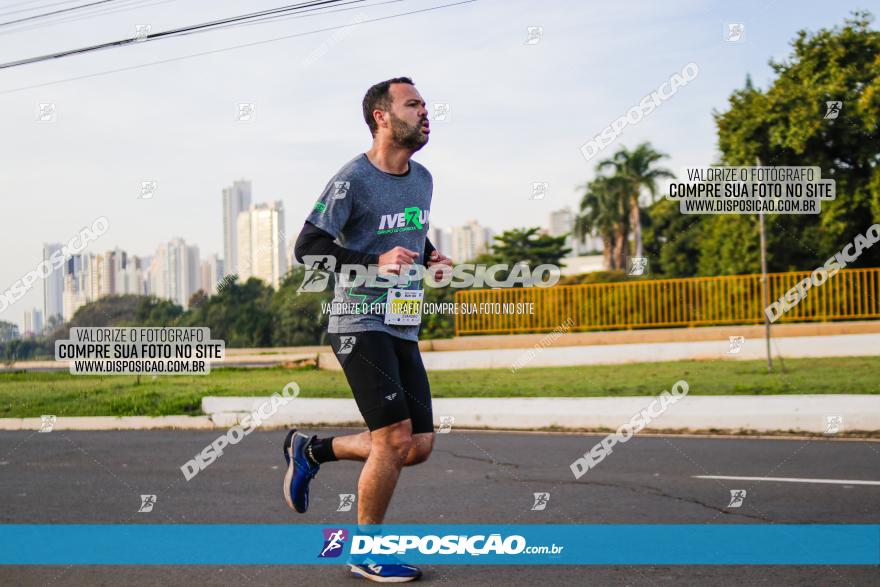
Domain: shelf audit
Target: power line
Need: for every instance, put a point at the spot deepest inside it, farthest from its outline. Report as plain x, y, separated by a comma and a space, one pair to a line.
264, 20
54, 12
31, 9
275, 13
232, 48
123, 6
163, 34
131, 5
255, 21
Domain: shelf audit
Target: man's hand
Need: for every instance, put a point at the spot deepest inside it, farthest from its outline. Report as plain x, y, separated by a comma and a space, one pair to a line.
438, 258
438, 263
393, 260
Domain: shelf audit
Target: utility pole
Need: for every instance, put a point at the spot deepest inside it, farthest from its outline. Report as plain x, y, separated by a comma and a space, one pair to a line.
765, 290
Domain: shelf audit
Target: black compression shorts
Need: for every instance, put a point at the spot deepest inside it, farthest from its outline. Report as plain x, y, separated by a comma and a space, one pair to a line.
387, 378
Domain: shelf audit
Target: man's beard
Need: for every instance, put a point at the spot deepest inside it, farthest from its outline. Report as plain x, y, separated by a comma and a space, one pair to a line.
406, 136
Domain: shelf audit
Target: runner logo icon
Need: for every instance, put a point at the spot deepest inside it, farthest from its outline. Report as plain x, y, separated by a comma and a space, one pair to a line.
340, 189
832, 109
334, 542
318, 270
541, 500
346, 500
737, 497
346, 344
47, 423
147, 503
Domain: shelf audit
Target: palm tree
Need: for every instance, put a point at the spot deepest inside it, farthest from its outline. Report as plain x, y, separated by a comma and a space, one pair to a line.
637, 169
604, 209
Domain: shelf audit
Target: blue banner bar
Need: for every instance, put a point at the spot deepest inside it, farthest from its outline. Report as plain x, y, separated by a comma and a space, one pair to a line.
596, 544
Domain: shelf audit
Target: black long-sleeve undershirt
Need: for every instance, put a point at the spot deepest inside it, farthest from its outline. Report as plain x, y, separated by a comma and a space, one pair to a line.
315, 241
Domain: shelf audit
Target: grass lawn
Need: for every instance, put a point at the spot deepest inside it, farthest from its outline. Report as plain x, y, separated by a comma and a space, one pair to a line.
30, 394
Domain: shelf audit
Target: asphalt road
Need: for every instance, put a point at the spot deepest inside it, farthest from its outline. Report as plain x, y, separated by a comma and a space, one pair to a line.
472, 477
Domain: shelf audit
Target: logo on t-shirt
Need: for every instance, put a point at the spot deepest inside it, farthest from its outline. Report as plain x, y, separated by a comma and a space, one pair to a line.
412, 218
340, 188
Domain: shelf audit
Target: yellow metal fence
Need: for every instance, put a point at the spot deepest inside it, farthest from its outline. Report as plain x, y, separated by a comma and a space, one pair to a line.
731, 299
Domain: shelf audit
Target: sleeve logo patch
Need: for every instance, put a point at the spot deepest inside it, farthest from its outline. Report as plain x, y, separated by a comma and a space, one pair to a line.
340, 189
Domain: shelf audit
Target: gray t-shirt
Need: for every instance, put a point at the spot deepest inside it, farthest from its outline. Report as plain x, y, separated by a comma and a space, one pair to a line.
371, 211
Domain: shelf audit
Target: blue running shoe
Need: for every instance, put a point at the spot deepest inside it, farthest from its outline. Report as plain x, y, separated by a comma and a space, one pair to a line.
381, 573
300, 471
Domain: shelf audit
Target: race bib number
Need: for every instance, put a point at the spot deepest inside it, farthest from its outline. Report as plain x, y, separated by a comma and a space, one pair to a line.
404, 307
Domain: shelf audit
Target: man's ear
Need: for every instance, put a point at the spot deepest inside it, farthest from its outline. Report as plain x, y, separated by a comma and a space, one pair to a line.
380, 118
378, 115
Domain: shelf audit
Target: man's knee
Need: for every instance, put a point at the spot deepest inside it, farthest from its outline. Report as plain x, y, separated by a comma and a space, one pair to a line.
396, 438
419, 456
422, 447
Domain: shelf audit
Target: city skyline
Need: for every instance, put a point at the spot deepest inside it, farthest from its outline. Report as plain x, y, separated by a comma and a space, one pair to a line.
176, 269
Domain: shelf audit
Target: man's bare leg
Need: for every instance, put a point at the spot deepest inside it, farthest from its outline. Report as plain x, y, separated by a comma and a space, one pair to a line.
352, 447
389, 447
356, 447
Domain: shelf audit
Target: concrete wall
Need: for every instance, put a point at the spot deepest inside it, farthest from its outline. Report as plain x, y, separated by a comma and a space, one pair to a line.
804, 413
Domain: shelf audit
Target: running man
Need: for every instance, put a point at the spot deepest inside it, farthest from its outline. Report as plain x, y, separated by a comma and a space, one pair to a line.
374, 212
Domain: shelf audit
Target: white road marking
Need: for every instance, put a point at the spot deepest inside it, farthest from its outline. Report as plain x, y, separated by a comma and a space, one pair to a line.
790, 480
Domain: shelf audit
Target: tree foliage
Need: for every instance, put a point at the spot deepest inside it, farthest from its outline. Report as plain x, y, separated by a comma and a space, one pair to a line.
786, 125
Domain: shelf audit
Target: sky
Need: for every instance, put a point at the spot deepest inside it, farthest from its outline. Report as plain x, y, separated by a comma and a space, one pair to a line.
518, 112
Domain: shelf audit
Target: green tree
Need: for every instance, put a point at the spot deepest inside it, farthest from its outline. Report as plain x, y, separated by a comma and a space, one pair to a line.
673, 240
528, 245
438, 325
636, 170
8, 331
786, 125
52, 324
605, 210
241, 314
298, 318
198, 298
153, 311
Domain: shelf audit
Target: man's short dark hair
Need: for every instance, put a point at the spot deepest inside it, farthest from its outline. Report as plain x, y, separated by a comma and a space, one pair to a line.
378, 97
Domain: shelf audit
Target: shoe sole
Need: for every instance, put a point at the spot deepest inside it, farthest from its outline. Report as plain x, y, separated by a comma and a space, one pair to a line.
288, 477
360, 573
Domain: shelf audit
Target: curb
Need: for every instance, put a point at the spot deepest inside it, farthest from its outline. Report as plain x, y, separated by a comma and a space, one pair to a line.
112, 423
705, 415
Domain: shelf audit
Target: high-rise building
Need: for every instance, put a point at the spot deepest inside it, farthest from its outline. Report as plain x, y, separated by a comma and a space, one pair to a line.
211, 274
106, 272
469, 241
28, 326
146, 264
175, 271
118, 273
261, 250
290, 253
33, 322
130, 275
236, 199
53, 286
562, 222
77, 284
441, 240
